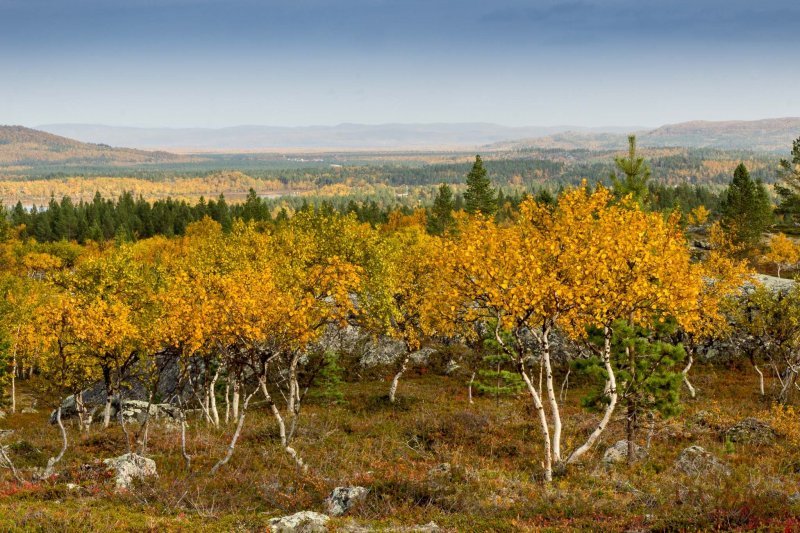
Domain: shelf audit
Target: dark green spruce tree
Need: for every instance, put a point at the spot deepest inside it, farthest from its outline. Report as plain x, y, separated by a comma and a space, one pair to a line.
746, 210
442, 211
480, 197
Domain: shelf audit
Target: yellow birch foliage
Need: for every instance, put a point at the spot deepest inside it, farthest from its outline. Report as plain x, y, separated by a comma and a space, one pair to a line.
783, 252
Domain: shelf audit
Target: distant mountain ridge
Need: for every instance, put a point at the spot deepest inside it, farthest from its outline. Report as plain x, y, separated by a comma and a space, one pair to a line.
341, 136
21, 146
767, 135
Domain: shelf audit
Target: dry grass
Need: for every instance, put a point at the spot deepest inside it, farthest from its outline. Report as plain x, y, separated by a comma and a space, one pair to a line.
493, 484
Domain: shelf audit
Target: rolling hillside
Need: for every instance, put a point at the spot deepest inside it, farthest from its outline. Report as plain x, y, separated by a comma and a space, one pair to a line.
768, 135
22, 148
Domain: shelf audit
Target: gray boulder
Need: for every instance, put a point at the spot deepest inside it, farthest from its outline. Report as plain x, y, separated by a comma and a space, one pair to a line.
696, 461
137, 411
130, 467
302, 522
618, 453
342, 499
751, 431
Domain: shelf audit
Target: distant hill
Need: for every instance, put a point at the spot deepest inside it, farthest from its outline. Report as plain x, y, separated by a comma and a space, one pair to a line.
22, 147
768, 135
774, 134
342, 136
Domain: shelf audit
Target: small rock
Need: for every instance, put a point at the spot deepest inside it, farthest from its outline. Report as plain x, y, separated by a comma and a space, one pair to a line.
72, 486
29, 411
618, 453
751, 431
302, 522
703, 419
451, 367
695, 460
129, 467
443, 469
342, 499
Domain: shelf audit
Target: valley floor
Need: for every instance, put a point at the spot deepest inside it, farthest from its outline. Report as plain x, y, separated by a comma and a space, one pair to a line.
493, 450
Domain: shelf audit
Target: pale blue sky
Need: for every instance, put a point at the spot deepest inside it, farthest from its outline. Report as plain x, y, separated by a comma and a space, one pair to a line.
300, 62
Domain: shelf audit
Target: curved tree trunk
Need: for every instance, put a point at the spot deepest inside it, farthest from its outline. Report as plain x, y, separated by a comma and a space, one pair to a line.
537, 404
685, 373
212, 397
51, 463
469, 388
232, 446
551, 395
760, 379
396, 378
276, 413
611, 391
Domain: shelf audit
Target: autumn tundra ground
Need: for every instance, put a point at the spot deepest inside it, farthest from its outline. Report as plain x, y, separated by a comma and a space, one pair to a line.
431, 457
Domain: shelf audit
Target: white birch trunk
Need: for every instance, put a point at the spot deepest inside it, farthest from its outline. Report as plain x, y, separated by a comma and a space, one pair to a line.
107, 411
685, 373
51, 463
760, 380
276, 413
537, 403
469, 388
232, 445
235, 404
213, 400
551, 396
396, 379
612, 393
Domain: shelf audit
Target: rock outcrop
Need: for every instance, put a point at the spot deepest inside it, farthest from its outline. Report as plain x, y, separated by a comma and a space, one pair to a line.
751, 431
618, 453
130, 467
302, 522
696, 461
343, 499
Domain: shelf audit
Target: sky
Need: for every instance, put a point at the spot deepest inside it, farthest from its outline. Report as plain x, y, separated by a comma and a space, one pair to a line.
217, 63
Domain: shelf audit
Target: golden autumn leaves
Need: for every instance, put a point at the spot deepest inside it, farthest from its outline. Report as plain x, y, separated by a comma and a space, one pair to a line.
255, 295
588, 261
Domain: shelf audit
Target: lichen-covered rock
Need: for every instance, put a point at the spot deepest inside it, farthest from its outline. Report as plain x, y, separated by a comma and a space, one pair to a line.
618, 453
695, 461
751, 431
137, 411
440, 470
342, 499
129, 467
302, 522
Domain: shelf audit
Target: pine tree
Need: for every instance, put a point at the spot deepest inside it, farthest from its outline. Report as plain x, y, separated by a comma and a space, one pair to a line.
498, 380
648, 371
746, 210
636, 173
789, 188
480, 197
442, 211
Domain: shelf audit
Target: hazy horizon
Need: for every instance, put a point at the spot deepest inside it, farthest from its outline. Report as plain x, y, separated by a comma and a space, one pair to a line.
209, 63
